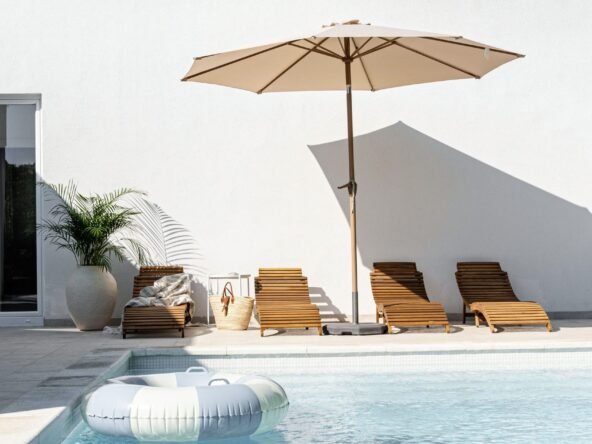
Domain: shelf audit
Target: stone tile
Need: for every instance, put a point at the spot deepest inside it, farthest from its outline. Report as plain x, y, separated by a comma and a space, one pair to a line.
21, 430
67, 381
90, 364
24, 376
41, 398
13, 387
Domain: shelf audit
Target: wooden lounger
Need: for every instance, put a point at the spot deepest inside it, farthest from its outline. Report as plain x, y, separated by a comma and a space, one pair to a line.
144, 319
401, 298
282, 300
487, 293
511, 313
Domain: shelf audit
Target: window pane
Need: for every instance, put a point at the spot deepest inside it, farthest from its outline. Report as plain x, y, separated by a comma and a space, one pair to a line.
18, 250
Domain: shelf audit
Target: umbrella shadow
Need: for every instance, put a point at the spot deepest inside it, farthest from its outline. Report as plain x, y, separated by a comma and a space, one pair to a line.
329, 311
424, 201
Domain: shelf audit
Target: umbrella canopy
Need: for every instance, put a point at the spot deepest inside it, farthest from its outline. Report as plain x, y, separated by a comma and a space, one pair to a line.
380, 58
350, 56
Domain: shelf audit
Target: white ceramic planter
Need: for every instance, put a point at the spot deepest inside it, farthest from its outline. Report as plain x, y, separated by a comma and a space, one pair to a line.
90, 295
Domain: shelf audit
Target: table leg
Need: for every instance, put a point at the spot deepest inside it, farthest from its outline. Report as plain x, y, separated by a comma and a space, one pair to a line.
208, 293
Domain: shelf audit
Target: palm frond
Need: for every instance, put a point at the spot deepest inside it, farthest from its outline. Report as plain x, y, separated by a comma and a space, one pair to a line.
87, 225
165, 240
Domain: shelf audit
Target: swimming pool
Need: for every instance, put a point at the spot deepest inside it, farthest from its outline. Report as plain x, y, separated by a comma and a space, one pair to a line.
331, 403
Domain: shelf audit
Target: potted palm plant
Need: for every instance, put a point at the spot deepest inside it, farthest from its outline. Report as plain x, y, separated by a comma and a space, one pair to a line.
94, 228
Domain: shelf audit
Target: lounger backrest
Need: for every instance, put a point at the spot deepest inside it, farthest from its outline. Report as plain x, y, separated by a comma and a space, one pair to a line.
397, 282
281, 285
484, 282
150, 274
280, 272
396, 266
486, 267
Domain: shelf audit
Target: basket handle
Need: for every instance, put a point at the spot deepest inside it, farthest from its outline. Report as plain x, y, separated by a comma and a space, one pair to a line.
227, 297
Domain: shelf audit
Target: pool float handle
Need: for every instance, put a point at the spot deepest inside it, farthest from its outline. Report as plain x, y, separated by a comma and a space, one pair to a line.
219, 379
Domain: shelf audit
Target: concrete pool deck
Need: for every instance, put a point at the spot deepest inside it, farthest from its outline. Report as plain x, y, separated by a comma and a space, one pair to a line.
44, 370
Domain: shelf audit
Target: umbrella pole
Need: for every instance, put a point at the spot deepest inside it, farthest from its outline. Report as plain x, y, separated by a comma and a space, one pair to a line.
352, 185
353, 328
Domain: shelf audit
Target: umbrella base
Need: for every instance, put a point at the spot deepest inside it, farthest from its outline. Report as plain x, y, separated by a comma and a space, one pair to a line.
351, 329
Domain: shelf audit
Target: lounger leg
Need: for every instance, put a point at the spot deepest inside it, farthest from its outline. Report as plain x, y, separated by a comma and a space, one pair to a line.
182, 332
447, 328
320, 329
549, 327
377, 317
477, 321
262, 330
464, 314
492, 328
123, 334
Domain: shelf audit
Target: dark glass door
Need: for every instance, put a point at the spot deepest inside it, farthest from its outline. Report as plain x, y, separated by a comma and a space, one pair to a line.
18, 239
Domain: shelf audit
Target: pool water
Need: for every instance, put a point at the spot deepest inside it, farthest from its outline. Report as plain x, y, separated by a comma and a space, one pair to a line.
461, 407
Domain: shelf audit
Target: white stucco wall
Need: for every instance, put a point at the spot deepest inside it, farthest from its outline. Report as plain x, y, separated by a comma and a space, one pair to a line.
493, 169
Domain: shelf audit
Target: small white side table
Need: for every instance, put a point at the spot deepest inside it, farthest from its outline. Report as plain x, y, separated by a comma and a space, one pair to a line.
214, 282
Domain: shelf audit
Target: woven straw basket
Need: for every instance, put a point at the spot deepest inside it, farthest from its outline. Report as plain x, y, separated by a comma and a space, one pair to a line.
231, 313
238, 316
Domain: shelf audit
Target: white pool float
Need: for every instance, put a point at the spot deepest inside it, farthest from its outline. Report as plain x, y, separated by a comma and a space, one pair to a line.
195, 405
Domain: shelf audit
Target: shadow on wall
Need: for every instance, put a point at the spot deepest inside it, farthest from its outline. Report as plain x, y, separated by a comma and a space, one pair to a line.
329, 312
167, 242
421, 200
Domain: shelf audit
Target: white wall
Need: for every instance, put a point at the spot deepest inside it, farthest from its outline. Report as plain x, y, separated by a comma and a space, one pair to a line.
491, 169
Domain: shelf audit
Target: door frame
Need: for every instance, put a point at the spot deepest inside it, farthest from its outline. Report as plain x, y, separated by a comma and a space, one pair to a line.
30, 318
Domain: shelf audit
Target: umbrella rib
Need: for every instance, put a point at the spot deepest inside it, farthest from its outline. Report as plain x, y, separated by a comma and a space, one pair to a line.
341, 44
240, 59
363, 65
294, 63
442, 62
386, 44
324, 48
469, 45
357, 51
325, 51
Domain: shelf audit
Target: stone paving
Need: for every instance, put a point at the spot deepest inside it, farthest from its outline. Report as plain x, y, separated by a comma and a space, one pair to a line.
45, 370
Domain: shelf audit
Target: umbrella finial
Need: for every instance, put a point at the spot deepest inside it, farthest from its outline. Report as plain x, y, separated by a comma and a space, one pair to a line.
349, 22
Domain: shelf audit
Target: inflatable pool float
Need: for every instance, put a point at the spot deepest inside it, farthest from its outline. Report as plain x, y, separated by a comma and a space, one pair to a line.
190, 406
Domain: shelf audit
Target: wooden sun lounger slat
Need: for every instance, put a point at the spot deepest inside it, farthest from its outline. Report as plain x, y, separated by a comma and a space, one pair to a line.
487, 292
479, 267
136, 319
281, 273
283, 301
401, 298
414, 315
511, 313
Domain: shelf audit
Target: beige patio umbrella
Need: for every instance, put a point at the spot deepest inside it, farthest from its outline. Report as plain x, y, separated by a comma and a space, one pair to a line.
350, 56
